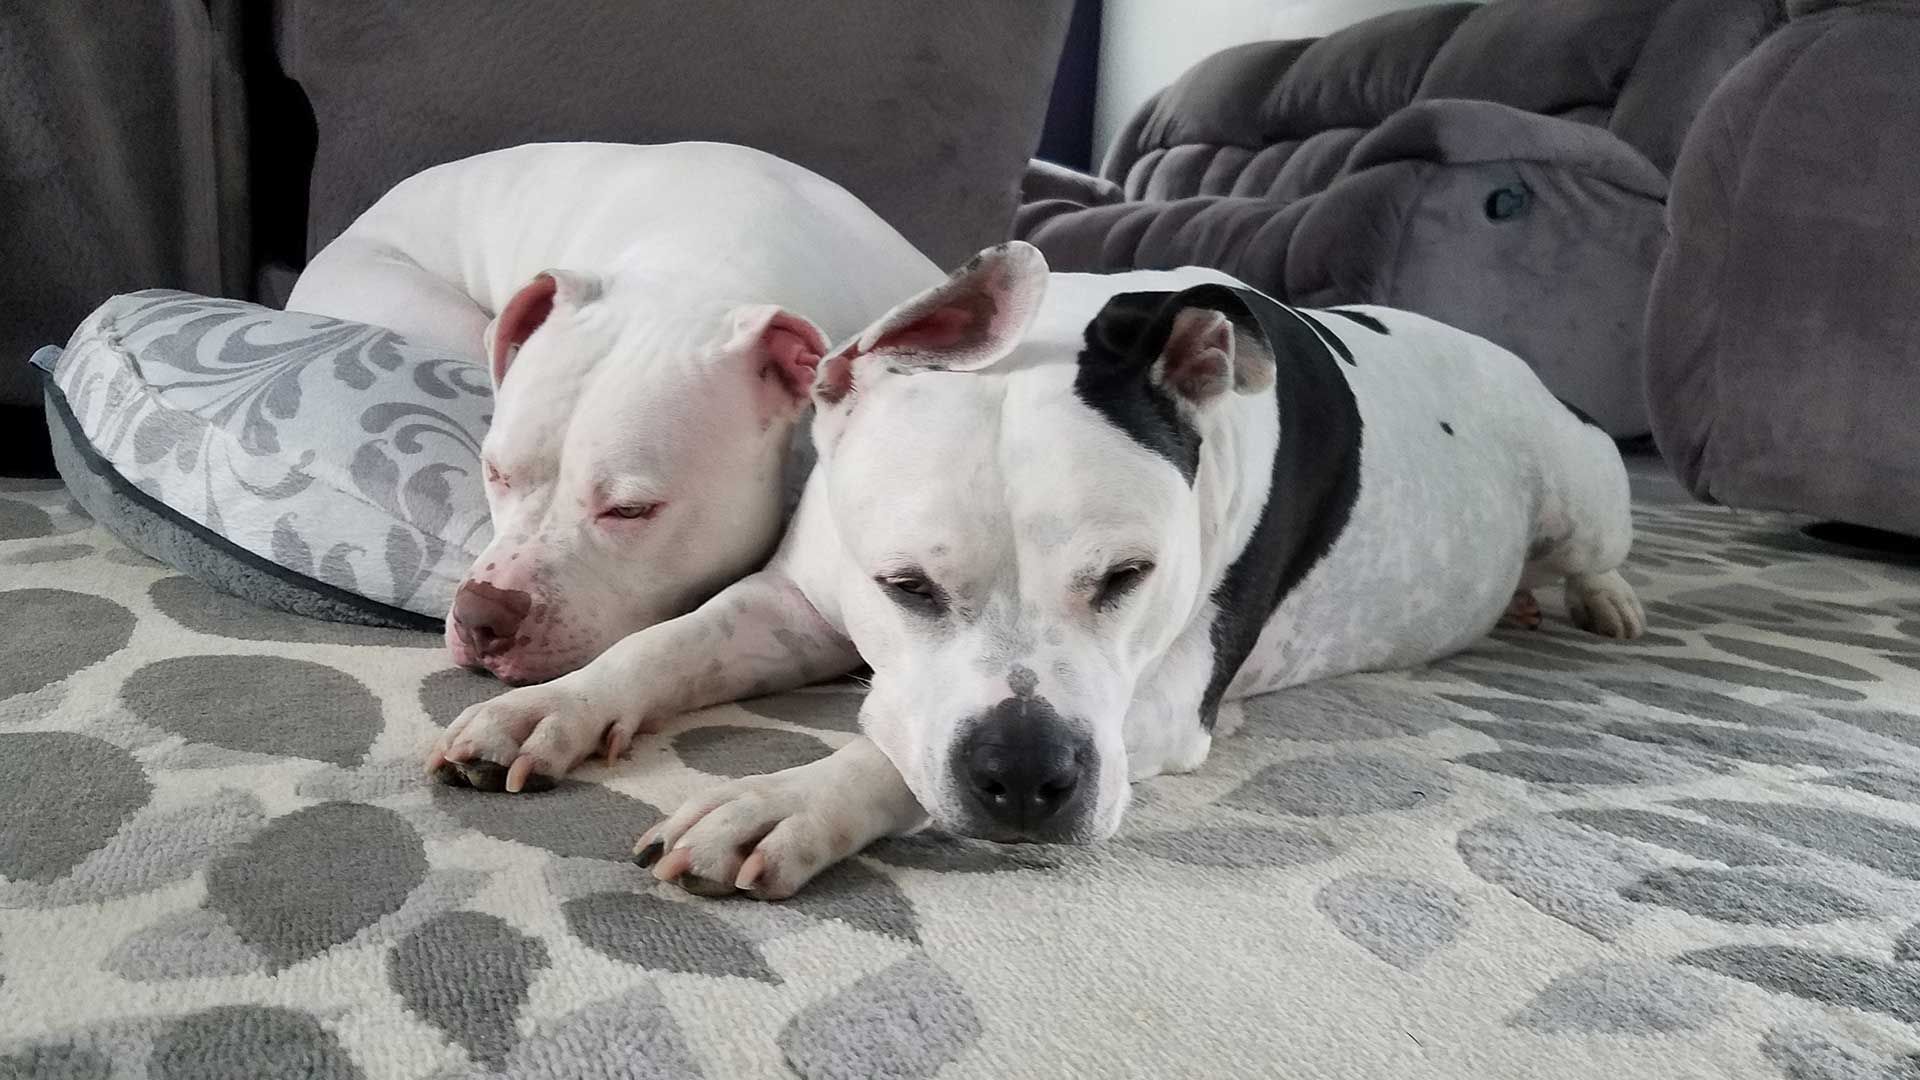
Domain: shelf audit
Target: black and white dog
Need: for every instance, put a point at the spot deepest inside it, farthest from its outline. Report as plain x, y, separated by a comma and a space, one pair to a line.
1069, 520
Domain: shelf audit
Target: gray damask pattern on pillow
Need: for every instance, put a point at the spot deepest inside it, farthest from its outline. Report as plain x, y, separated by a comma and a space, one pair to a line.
338, 451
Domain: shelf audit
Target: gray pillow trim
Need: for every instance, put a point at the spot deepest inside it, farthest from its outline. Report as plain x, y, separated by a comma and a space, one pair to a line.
150, 527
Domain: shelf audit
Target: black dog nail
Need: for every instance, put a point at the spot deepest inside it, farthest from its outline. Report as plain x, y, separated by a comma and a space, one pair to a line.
650, 854
484, 775
537, 783
449, 774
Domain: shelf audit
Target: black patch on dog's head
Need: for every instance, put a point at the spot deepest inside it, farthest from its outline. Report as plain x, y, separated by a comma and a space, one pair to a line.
1121, 344
1360, 317
1125, 339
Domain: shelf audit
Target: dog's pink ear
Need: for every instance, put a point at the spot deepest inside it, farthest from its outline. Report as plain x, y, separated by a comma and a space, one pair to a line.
784, 349
1197, 363
529, 310
1214, 344
967, 322
1195, 344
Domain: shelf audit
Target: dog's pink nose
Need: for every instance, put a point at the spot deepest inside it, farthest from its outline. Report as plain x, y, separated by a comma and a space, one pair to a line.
487, 617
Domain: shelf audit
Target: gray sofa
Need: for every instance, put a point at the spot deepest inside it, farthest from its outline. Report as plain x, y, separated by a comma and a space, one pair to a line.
1783, 335
210, 145
1500, 167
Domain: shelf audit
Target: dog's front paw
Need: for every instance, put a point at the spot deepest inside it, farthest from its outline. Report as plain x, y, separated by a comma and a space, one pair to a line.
1605, 604
525, 739
765, 836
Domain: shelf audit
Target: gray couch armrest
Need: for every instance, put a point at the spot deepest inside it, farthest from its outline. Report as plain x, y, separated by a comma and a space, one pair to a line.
1046, 181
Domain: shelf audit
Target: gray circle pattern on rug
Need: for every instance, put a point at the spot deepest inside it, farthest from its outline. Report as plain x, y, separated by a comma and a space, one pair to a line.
23, 521
729, 750
468, 973
664, 935
1323, 786
62, 798
447, 693
315, 878
249, 1042
259, 705
48, 634
575, 819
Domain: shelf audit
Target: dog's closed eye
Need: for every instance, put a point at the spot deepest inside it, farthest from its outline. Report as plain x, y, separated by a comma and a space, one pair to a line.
913, 590
1120, 581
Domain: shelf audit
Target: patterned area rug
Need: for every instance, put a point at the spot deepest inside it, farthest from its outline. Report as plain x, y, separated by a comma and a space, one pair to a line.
1694, 856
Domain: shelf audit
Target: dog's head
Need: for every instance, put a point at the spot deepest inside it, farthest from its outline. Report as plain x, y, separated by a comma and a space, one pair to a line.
633, 466
1013, 483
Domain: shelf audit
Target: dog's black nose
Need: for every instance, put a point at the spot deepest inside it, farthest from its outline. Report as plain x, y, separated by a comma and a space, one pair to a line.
1026, 770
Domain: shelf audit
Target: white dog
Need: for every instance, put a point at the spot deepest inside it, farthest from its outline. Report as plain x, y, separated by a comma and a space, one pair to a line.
651, 316
1068, 522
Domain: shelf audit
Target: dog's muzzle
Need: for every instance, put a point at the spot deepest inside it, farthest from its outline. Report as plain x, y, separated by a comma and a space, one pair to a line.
1026, 774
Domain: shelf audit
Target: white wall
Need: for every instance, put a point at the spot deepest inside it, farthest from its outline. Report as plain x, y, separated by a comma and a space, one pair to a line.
1146, 44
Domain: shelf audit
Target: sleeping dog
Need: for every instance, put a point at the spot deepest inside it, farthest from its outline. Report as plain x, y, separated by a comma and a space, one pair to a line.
1069, 521
651, 317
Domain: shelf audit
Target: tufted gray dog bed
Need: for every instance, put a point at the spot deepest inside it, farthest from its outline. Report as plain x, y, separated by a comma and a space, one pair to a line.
1692, 856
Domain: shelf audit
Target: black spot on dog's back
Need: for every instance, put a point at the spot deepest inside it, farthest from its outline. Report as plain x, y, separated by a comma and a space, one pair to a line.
1360, 317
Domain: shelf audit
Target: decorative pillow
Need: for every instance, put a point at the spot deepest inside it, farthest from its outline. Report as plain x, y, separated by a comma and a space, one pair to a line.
319, 466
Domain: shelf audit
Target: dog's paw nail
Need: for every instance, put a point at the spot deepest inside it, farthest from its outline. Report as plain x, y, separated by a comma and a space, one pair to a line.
525, 776
483, 775
706, 887
673, 864
449, 774
617, 744
650, 854
751, 870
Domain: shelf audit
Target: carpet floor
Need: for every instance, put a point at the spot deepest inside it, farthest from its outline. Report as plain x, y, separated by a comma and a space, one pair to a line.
1696, 855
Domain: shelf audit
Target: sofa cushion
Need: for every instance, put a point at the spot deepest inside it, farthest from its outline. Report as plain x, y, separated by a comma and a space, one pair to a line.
1275, 119
314, 465
1537, 233
927, 112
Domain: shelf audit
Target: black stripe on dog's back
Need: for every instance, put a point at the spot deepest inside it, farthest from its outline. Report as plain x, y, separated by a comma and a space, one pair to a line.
1359, 317
1314, 482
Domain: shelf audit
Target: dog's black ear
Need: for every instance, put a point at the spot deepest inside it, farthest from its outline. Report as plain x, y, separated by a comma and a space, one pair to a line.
1121, 332
1196, 343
